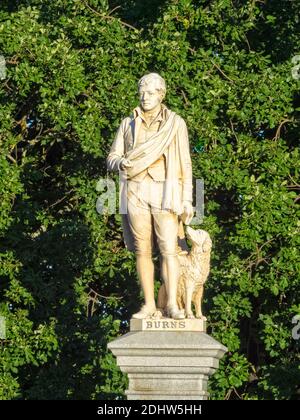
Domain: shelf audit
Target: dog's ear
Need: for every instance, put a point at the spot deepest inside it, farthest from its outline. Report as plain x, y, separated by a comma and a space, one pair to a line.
201, 234
207, 245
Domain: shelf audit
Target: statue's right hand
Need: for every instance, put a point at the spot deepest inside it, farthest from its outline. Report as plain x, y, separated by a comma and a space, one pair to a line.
125, 163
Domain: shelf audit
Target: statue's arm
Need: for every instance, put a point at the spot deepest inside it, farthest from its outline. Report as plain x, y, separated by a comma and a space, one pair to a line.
116, 154
186, 163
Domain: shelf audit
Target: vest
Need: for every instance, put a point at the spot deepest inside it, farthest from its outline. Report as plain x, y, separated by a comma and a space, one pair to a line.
157, 170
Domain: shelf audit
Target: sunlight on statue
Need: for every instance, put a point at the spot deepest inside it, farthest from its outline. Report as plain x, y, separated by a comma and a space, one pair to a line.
152, 154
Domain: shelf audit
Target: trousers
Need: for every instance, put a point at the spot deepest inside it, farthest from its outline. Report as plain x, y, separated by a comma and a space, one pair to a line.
146, 217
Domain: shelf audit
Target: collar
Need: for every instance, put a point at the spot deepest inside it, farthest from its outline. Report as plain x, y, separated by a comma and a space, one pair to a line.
162, 116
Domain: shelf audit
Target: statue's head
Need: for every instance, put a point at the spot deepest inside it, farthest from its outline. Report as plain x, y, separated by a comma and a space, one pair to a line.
152, 90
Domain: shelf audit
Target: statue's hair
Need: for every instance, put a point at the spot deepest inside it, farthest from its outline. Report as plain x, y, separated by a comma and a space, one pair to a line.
153, 77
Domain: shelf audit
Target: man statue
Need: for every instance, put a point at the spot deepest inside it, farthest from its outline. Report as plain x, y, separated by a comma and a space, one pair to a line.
151, 153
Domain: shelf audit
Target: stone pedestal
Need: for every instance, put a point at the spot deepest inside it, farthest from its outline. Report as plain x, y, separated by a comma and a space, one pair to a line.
168, 324
170, 361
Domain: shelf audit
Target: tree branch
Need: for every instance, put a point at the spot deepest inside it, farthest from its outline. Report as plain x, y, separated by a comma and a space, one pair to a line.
109, 17
221, 71
11, 159
277, 135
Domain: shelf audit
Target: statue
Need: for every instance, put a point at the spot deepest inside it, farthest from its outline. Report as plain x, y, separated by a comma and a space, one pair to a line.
193, 273
151, 153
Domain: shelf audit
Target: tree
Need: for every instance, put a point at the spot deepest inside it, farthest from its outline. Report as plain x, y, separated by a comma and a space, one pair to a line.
68, 286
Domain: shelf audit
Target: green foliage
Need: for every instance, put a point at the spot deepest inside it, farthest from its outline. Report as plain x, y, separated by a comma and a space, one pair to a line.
67, 284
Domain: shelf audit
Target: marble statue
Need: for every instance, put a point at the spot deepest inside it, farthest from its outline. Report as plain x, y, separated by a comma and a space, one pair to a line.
194, 270
152, 154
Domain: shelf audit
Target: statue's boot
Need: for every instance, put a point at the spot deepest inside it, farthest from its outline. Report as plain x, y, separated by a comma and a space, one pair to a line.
173, 312
145, 312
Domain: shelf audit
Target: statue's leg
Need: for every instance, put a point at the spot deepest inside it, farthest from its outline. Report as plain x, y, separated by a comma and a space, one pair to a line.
140, 224
145, 270
166, 228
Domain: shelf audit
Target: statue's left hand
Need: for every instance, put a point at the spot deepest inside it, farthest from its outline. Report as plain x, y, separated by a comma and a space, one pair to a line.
188, 212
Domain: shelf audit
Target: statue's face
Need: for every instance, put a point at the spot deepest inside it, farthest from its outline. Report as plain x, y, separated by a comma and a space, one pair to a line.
150, 97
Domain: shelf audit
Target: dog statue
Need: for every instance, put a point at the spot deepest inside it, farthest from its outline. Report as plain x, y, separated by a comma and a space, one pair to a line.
194, 270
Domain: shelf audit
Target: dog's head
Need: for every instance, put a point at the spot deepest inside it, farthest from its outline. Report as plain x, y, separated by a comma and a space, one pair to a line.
200, 239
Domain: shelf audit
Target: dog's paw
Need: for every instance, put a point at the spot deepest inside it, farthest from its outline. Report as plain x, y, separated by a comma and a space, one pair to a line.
189, 316
157, 314
201, 317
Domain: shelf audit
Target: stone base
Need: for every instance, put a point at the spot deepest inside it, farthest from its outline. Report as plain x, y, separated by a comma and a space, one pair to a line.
167, 324
167, 365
